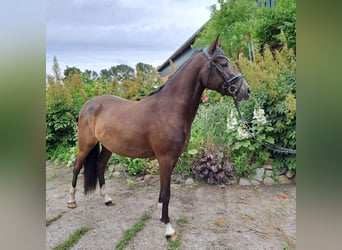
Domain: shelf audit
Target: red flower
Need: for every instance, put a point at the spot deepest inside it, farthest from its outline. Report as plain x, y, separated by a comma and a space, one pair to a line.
204, 98
283, 196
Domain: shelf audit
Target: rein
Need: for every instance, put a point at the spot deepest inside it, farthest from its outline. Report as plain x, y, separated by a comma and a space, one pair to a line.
269, 145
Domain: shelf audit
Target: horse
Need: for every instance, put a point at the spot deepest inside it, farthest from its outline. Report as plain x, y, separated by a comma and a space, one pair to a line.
157, 126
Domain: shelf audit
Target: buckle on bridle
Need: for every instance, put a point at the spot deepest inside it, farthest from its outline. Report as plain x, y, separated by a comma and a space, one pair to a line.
227, 83
232, 89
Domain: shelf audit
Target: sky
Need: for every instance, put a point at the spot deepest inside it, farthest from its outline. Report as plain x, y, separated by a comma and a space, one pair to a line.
98, 34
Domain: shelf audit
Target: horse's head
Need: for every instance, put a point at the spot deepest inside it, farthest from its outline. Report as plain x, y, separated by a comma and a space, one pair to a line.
219, 74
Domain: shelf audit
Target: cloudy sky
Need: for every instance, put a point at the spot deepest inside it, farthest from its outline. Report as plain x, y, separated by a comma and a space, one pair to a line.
98, 34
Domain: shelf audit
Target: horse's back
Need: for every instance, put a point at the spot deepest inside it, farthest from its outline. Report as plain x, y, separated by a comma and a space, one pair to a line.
94, 106
121, 125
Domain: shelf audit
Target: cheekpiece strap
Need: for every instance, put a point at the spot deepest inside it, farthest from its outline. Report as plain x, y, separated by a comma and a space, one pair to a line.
205, 52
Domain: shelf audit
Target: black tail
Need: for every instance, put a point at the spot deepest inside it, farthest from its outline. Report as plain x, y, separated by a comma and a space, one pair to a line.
90, 170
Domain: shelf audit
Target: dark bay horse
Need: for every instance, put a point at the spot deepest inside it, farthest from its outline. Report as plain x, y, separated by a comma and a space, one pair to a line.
157, 126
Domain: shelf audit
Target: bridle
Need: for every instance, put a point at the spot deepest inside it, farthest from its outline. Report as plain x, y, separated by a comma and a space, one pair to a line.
228, 83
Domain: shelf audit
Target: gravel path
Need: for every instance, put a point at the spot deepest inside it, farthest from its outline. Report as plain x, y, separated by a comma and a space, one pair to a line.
233, 218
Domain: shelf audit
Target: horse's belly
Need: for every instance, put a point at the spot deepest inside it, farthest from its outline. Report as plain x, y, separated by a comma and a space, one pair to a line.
133, 151
133, 146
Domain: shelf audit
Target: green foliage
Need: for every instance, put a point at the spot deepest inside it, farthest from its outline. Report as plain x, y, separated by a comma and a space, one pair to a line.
206, 131
270, 112
272, 22
71, 71
73, 239
242, 164
60, 131
272, 78
134, 166
63, 102
234, 20
246, 145
242, 23
130, 182
66, 95
53, 219
176, 244
132, 232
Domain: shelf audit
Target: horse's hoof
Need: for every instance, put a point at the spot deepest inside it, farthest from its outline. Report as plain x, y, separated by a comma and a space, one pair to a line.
109, 203
72, 204
172, 237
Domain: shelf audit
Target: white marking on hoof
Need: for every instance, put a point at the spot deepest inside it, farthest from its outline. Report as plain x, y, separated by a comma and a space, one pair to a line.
160, 207
169, 231
107, 198
72, 192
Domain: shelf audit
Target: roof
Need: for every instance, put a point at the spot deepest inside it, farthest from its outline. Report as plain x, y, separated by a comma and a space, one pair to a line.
180, 50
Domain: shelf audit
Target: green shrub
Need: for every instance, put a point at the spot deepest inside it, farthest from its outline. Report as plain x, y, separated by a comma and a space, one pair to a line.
271, 22
66, 96
133, 166
272, 78
234, 20
60, 131
270, 113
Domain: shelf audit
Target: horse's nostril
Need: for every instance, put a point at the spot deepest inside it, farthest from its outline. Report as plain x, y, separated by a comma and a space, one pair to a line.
248, 90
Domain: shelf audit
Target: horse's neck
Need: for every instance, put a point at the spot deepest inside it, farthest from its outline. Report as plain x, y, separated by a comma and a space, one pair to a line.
185, 90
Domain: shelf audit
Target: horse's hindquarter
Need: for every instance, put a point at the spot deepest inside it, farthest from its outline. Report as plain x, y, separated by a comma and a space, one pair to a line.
121, 126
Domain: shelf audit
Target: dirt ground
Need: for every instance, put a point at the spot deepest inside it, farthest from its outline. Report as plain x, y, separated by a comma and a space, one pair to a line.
233, 217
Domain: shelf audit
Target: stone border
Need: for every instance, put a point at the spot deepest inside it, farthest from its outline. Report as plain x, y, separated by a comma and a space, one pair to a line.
267, 176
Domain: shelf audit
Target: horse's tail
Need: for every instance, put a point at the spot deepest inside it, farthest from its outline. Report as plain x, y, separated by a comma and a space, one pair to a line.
90, 170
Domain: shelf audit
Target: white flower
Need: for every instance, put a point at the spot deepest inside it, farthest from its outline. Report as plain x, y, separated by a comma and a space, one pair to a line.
259, 115
232, 122
242, 133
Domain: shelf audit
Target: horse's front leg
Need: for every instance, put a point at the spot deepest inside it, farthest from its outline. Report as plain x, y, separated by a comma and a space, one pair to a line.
101, 166
164, 197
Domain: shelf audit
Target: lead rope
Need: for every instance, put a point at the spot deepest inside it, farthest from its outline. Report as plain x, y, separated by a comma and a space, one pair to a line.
269, 145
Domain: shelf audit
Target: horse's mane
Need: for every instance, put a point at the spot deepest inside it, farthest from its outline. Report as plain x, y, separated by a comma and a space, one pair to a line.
157, 90
175, 73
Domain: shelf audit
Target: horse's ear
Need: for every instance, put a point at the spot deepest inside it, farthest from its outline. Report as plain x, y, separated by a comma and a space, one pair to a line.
215, 43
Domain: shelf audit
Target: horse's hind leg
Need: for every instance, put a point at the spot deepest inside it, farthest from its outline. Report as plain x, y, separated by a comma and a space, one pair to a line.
76, 170
101, 166
81, 156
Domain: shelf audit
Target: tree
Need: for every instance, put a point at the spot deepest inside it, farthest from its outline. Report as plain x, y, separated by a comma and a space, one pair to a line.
242, 23
88, 76
234, 22
273, 22
146, 68
122, 71
56, 70
71, 70
141, 84
105, 74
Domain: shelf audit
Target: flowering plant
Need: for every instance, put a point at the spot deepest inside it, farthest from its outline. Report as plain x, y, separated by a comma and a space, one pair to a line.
246, 143
204, 99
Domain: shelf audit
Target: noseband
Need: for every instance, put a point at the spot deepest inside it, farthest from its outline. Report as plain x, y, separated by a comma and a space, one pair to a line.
228, 84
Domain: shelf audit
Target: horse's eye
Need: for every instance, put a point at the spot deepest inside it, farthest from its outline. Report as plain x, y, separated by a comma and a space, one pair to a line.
225, 64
